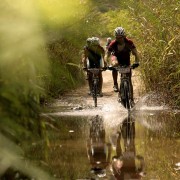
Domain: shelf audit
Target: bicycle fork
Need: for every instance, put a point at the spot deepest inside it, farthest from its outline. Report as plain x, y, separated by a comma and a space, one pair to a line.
125, 94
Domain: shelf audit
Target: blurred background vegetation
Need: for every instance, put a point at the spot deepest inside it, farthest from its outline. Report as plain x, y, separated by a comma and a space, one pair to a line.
41, 46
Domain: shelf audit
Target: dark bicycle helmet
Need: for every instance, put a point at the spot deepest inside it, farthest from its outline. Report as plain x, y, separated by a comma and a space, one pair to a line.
119, 31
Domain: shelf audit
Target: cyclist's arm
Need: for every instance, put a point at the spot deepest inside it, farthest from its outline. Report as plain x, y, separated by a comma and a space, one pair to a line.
107, 55
84, 58
103, 56
136, 54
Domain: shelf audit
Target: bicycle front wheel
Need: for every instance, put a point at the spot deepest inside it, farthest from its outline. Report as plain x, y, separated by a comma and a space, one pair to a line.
95, 89
125, 96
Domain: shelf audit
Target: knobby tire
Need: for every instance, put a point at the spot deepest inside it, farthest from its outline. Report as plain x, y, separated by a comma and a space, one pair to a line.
95, 94
124, 94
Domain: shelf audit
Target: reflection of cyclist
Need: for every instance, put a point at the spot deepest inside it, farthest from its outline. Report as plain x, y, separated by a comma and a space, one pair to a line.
97, 149
93, 57
120, 49
124, 164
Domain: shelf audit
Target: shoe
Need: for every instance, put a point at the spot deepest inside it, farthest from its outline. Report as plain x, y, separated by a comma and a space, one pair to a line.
115, 88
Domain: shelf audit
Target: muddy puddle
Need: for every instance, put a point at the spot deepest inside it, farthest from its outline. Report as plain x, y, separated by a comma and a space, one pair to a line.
143, 144
107, 142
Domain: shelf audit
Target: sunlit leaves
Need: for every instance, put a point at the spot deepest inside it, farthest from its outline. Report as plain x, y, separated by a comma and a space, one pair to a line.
60, 12
23, 63
159, 22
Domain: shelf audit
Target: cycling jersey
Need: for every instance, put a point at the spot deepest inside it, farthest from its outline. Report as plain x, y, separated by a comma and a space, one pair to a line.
123, 56
94, 56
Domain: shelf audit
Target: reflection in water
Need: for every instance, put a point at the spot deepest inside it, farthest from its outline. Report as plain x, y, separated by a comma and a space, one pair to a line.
98, 150
126, 164
154, 135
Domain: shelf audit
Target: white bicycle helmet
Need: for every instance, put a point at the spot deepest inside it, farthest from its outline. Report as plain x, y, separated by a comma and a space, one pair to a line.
95, 41
119, 31
88, 41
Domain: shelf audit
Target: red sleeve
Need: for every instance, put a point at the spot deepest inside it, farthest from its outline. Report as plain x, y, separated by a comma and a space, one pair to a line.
130, 43
111, 46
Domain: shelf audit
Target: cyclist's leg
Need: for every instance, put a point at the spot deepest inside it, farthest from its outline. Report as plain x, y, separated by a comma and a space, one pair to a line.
90, 82
115, 75
99, 65
114, 62
100, 83
90, 77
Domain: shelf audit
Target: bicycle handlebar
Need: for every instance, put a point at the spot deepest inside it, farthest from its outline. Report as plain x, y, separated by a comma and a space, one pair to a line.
133, 66
95, 69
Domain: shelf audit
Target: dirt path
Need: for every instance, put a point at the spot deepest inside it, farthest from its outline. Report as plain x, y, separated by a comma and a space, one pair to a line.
79, 99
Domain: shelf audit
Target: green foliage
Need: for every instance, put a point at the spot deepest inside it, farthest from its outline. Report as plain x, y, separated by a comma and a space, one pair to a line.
23, 64
122, 18
65, 38
42, 41
157, 26
23, 68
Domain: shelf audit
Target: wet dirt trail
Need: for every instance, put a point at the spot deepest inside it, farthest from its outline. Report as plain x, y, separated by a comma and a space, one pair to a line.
80, 100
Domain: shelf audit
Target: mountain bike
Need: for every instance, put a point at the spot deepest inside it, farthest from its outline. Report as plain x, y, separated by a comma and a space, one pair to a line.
124, 94
95, 82
126, 152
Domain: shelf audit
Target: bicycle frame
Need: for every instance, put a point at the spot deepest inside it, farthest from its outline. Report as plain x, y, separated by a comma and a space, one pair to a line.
95, 82
125, 86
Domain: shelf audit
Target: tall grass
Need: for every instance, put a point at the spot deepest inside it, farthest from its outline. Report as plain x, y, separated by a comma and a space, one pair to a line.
155, 25
23, 64
67, 25
23, 68
42, 41
159, 22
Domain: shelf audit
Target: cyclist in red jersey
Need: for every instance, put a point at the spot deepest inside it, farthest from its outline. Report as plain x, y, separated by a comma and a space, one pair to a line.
120, 50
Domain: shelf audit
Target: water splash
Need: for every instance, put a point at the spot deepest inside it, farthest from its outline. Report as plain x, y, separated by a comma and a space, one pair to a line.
150, 102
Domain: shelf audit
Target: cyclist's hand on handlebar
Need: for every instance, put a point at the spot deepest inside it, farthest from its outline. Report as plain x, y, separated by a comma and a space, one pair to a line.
110, 68
135, 65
